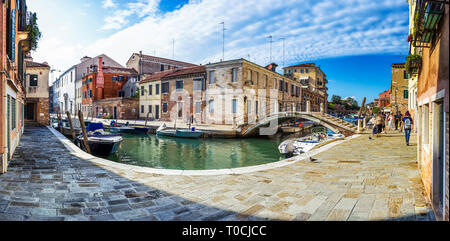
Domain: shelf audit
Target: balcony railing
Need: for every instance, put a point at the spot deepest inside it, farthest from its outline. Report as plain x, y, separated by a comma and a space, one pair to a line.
428, 16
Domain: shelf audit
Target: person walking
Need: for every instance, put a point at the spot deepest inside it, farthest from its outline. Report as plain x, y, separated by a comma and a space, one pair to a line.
379, 125
407, 123
397, 120
401, 123
386, 123
391, 122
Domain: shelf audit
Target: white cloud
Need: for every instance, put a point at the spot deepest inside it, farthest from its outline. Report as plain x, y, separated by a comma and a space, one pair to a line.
119, 18
108, 4
312, 30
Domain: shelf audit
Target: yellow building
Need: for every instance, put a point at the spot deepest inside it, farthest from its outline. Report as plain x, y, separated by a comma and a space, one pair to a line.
150, 96
399, 89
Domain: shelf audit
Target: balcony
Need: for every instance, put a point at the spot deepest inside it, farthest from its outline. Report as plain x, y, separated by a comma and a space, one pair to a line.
428, 14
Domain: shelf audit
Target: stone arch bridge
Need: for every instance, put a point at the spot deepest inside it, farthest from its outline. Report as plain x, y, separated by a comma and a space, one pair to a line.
333, 123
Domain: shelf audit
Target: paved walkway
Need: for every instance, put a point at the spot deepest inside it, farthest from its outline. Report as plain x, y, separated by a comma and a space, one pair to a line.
359, 179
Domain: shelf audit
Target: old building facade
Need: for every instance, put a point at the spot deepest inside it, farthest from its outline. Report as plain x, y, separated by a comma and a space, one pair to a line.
428, 62
399, 89
147, 64
15, 44
37, 107
102, 83
314, 97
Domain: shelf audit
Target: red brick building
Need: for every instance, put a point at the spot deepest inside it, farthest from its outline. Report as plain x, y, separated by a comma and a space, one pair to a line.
384, 99
103, 83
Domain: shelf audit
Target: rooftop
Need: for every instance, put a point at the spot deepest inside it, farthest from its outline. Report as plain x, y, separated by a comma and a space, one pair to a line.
31, 64
164, 60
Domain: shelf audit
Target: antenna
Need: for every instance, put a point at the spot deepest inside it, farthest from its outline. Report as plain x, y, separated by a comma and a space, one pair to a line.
283, 50
270, 60
223, 41
173, 48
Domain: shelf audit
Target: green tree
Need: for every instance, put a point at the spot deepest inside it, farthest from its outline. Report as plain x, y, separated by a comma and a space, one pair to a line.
336, 99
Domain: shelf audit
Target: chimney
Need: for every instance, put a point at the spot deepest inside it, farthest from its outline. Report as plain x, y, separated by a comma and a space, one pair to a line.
100, 83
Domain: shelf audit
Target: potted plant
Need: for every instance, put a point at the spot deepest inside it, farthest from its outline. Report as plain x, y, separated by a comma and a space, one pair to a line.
413, 62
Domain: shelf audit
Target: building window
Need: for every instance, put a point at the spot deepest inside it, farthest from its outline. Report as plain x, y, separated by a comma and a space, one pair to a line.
292, 90
149, 109
211, 77
211, 106
405, 94
162, 67
142, 90
306, 70
198, 84
286, 85
234, 75
142, 109
90, 93
249, 75
265, 81
34, 80
405, 75
281, 85
157, 88
234, 106
164, 107
256, 107
179, 85
150, 89
165, 87
198, 107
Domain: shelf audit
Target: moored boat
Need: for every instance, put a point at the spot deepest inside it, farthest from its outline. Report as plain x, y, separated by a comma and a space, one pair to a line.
100, 142
163, 131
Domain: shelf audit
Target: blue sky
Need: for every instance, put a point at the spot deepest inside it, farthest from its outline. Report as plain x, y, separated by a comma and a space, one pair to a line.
354, 41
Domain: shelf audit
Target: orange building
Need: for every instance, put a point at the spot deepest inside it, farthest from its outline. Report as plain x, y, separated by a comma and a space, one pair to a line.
384, 99
428, 64
103, 83
15, 44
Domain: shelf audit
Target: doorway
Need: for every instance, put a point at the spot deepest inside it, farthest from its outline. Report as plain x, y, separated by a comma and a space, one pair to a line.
438, 159
30, 110
157, 112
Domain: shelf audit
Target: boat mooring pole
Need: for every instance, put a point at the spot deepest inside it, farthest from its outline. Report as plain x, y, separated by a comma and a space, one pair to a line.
71, 125
83, 128
146, 119
60, 121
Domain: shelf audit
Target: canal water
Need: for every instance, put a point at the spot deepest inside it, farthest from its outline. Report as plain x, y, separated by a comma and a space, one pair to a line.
148, 150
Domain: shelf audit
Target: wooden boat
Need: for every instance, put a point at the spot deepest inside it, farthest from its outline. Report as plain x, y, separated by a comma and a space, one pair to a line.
163, 131
76, 127
100, 142
138, 129
121, 128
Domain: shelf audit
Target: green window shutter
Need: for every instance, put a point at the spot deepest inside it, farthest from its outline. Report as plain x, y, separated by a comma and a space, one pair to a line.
405, 94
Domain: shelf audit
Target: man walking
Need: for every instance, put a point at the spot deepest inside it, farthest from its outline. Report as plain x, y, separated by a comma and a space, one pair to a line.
397, 120
407, 123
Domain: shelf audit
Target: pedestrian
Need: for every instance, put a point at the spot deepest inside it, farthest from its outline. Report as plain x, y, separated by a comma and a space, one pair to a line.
391, 123
379, 125
401, 122
407, 123
397, 120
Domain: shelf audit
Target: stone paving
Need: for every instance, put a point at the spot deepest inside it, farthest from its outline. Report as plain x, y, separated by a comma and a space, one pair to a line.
359, 179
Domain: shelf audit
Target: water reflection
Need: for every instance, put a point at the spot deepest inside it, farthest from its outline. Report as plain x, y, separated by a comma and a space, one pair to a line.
195, 154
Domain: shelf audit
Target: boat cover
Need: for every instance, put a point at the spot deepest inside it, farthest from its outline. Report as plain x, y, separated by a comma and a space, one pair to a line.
95, 126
